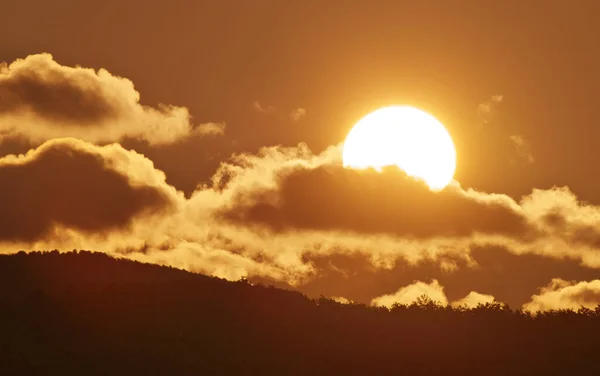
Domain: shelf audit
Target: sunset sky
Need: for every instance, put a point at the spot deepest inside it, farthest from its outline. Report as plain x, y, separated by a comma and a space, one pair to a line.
208, 136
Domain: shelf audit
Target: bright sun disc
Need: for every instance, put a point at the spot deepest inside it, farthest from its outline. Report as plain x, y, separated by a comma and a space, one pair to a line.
404, 136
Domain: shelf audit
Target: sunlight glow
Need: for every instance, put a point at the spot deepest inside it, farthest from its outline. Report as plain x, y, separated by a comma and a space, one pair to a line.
404, 136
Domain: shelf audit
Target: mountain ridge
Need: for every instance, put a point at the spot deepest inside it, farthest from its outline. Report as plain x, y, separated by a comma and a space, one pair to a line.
88, 313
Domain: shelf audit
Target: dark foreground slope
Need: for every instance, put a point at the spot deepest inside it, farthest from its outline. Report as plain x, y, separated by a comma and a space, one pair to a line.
87, 314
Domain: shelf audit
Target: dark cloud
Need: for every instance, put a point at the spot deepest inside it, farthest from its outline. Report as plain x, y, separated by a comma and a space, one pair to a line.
336, 198
80, 186
41, 99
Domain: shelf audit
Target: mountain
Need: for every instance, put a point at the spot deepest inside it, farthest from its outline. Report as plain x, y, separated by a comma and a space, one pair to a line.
85, 313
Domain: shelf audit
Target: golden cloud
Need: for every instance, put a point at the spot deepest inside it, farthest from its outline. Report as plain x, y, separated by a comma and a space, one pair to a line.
271, 215
434, 291
473, 299
42, 100
561, 294
73, 184
409, 294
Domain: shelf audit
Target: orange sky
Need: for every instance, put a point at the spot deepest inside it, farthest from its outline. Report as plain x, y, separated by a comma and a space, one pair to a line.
514, 82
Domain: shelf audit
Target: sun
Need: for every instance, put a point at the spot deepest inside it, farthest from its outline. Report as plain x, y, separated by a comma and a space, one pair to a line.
404, 136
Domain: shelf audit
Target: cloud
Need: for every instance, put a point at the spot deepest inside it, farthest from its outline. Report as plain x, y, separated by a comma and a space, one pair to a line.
284, 214
523, 149
41, 100
209, 129
434, 291
297, 114
561, 294
277, 214
331, 197
68, 183
286, 206
409, 294
486, 108
205, 259
290, 191
341, 300
473, 299
497, 140
355, 272
263, 109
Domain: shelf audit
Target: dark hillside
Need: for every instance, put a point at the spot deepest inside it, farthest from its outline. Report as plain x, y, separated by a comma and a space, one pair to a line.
87, 314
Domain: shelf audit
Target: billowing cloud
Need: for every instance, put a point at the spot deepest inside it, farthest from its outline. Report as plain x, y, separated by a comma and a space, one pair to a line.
297, 114
68, 183
290, 217
473, 299
285, 206
293, 191
561, 294
366, 201
41, 99
409, 294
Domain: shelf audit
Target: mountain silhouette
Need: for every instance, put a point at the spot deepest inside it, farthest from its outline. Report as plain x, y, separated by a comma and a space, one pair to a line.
85, 313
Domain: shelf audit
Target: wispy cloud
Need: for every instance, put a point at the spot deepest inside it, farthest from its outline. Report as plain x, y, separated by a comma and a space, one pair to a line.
297, 114
486, 108
258, 107
523, 149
